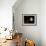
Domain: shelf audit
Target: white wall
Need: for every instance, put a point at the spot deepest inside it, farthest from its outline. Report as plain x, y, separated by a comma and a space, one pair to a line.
6, 13
28, 7
43, 22
6, 18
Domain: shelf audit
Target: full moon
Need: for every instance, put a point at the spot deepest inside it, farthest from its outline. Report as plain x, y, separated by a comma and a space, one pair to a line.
31, 19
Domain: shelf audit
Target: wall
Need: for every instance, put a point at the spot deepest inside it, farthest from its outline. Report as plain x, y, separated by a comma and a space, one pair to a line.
6, 13
28, 7
6, 19
43, 22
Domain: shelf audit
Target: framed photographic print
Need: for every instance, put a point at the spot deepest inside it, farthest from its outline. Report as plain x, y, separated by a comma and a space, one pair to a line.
29, 19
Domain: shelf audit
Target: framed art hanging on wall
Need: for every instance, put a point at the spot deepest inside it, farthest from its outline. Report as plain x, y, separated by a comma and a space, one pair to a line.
29, 19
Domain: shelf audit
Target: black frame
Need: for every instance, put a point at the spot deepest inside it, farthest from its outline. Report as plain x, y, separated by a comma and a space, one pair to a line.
27, 24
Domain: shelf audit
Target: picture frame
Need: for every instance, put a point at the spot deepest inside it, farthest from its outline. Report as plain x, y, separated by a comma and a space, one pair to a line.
29, 19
